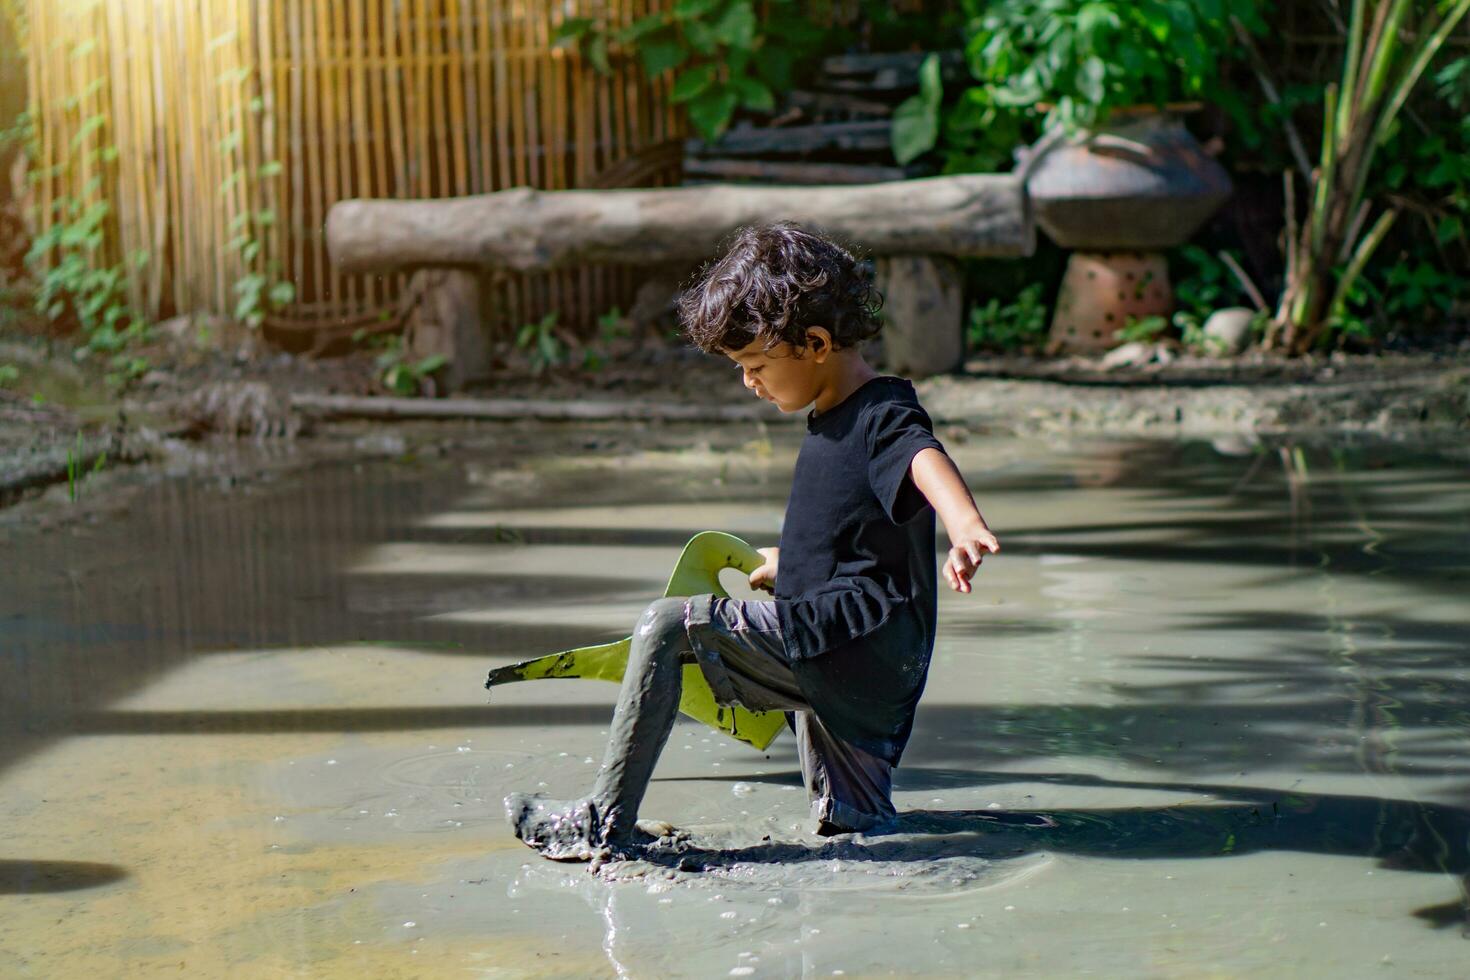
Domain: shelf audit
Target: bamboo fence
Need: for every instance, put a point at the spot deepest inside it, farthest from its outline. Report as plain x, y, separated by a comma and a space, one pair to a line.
209, 124
12, 84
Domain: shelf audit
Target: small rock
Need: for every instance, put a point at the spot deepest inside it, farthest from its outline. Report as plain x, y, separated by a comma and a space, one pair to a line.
176, 327
1228, 331
1128, 355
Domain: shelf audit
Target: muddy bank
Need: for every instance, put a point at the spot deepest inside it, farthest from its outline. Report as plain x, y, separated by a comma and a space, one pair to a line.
1406, 398
239, 414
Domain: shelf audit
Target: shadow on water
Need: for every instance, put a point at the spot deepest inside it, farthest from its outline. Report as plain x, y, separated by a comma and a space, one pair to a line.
1402, 835
22, 877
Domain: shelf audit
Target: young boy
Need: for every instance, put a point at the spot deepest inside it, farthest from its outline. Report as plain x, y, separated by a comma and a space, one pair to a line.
845, 643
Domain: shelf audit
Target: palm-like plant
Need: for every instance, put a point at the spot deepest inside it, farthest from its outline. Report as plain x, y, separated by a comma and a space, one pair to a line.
1390, 43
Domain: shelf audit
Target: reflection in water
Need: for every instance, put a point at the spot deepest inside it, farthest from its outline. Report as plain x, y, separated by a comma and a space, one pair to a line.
249, 729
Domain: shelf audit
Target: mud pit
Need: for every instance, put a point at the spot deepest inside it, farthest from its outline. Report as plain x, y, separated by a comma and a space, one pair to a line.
1207, 714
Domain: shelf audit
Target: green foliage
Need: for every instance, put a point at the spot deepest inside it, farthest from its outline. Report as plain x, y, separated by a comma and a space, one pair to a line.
722, 55
1421, 279
260, 290
73, 282
916, 120
1203, 283
397, 372
77, 469
1363, 113
611, 326
9, 374
1085, 57
543, 347
1143, 329
1008, 325
1082, 58
547, 345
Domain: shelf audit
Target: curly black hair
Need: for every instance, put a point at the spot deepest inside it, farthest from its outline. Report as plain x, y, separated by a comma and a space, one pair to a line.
773, 283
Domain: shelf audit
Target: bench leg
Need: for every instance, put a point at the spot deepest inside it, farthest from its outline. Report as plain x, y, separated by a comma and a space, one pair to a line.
923, 306
445, 319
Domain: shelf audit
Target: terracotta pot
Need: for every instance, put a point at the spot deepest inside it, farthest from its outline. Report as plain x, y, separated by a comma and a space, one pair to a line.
1101, 292
1140, 181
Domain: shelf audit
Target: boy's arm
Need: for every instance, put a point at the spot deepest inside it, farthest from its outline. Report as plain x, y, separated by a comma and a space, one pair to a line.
937, 478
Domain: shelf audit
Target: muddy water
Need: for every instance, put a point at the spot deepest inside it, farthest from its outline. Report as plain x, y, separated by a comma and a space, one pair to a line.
1208, 714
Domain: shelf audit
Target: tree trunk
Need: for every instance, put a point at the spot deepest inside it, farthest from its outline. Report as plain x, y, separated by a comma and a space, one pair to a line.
525, 229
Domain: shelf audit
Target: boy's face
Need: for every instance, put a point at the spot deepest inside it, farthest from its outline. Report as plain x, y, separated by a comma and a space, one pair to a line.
778, 376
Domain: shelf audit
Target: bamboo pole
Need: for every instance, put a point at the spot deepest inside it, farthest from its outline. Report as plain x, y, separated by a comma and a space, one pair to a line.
393, 43
291, 27
340, 48
272, 244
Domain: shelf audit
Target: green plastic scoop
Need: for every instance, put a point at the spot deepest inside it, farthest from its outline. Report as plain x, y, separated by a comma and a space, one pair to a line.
696, 572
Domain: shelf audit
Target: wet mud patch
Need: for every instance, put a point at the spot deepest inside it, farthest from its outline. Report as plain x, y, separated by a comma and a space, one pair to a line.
924, 854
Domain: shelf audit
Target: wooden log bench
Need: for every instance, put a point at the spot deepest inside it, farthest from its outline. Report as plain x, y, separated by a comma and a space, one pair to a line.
914, 229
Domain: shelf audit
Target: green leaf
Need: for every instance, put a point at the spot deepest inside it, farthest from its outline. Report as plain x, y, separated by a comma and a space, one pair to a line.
597, 54
661, 54
931, 87
641, 27
270, 168
692, 82
737, 27
915, 129
1091, 80
1093, 20
690, 9
701, 37
570, 32
710, 111
753, 94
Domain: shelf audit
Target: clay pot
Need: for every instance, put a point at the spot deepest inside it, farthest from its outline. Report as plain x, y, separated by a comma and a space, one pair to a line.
1101, 291
1140, 181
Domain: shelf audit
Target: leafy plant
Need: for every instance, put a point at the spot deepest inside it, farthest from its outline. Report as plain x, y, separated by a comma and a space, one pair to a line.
77, 471
1008, 325
72, 281
916, 120
1390, 45
1086, 57
260, 289
397, 372
611, 326
544, 348
1204, 282
9, 375
1145, 329
1080, 59
722, 55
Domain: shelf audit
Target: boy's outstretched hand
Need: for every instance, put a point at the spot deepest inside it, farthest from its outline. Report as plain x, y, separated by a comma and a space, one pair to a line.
764, 578
967, 551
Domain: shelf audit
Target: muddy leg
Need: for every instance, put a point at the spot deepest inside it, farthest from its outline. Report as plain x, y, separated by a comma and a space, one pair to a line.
605, 821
